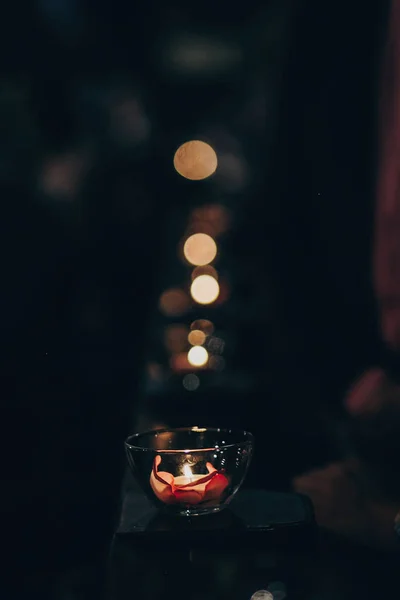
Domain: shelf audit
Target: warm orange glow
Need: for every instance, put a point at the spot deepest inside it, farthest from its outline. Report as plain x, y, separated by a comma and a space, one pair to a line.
205, 270
204, 289
213, 219
176, 337
197, 337
174, 302
204, 325
224, 292
187, 472
195, 160
179, 363
200, 249
197, 356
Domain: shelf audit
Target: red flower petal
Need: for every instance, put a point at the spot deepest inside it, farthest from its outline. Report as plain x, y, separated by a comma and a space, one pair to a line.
188, 496
162, 483
216, 487
206, 489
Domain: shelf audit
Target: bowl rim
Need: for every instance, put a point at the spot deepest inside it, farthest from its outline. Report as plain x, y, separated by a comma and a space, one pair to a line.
245, 442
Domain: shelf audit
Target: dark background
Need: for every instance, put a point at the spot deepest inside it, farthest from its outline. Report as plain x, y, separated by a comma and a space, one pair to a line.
95, 99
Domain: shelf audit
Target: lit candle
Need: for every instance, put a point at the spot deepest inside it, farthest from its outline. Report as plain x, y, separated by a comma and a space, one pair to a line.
187, 477
187, 488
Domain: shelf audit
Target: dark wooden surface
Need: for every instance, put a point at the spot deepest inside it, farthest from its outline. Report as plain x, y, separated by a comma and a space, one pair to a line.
332, 569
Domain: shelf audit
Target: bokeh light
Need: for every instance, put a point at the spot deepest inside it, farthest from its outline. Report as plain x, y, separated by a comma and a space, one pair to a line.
262, 595
128, 122
179, 362
216, 345
224, 292
197, 337
233, 173
213, 219
62, 175
191, 382
154, 371
205, 270
200, 54
197, 356
176, 337
195, 160
200, 249
204, 325
174, 302
204, 289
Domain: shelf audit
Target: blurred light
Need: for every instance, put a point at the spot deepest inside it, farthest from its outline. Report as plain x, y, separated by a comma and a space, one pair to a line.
129, 123
216, 345
61, 175
196, 54
200, 249
205, 270
204, 289
204, 325
197, 337
154, 371
195, 160
191, 382
232, 172
179, 363
224, 292
217, 363
176, 337
197, 356
262, 595
158, 425
174, 302
213, 219
278, 590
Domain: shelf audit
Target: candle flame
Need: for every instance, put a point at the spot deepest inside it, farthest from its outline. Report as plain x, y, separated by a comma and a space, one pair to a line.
187, 471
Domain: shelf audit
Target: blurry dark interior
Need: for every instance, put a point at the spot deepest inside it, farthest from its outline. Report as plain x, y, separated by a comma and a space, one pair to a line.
99, 311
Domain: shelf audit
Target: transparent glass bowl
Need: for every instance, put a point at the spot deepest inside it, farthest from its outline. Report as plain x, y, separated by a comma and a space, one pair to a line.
191, 470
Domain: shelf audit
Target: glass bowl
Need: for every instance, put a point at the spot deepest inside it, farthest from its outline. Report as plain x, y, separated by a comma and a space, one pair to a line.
190, 470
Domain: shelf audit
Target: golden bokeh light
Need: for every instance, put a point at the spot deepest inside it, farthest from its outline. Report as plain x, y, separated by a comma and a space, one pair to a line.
197, 356
204, 325
200, 249
204, 289
195, 160
196, 337
174, 302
